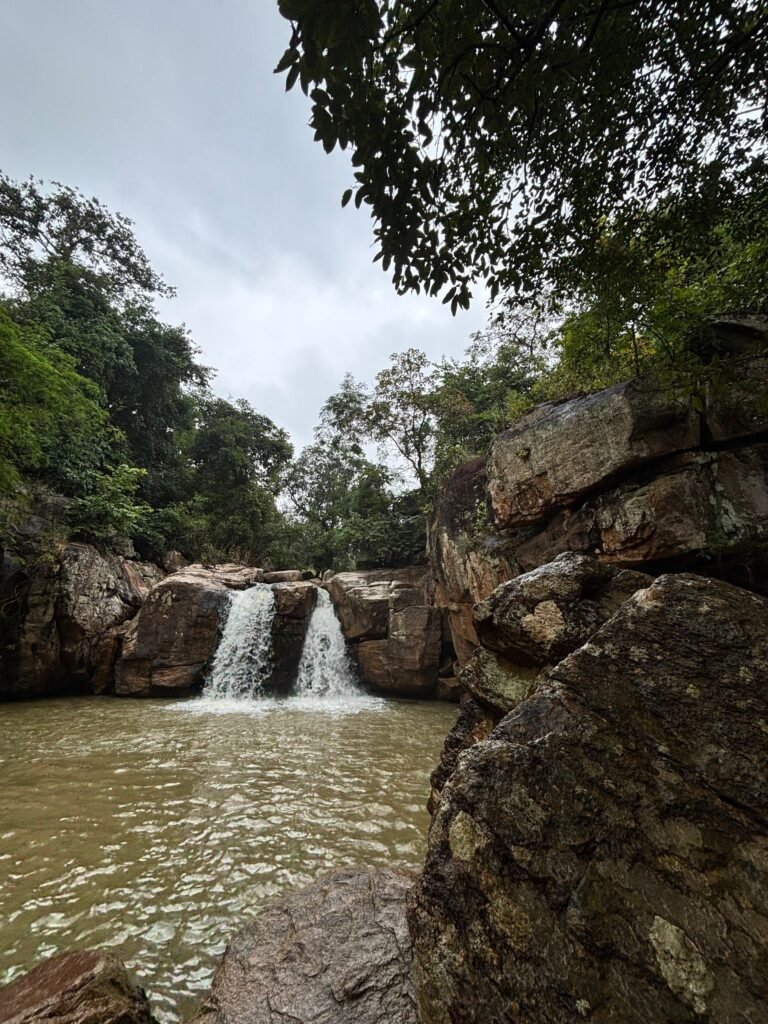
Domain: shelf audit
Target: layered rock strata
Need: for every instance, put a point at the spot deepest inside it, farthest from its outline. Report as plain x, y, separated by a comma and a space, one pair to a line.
632, 475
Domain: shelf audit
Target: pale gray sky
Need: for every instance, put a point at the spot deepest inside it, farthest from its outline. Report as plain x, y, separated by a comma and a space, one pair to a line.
169, 112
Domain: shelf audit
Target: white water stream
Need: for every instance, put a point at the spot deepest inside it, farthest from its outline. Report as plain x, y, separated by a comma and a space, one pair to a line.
325, 681
243, 658
325, 669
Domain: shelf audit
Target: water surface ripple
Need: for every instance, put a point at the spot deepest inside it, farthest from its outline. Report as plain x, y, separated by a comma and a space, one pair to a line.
157, 827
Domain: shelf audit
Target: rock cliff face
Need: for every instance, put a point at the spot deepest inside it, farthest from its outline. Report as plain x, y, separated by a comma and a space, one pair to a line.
337, 952
631, 475
467, 561
394, 629
601, 855
63, 620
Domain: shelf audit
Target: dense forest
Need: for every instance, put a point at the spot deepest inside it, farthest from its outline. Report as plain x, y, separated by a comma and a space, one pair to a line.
108, 406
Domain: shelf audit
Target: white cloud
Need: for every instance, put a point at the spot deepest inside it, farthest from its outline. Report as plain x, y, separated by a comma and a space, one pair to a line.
171, 114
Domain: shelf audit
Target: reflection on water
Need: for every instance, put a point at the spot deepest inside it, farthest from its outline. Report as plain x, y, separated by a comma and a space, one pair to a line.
156, 827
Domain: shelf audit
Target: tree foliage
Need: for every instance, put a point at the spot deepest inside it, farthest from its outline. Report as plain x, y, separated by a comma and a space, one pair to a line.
104, 402
51, 425
494, 140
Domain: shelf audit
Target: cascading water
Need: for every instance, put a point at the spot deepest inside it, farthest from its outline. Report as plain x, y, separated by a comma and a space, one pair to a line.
325, 669
243, 659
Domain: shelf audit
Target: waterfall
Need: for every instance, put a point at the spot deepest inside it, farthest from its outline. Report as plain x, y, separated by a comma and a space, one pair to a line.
325, 669
243, 658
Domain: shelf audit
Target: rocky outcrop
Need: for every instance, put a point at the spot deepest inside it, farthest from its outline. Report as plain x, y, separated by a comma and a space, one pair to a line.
394, 629
170, 642
530, 623
84, 987
633, 475
561, 451
63, 620
601, 855
294, 604
701, 507
337, 952
542, 616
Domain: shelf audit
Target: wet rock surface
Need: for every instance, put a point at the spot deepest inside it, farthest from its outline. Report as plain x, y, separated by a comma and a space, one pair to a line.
84, 987
337, 952
602, 855
294, 604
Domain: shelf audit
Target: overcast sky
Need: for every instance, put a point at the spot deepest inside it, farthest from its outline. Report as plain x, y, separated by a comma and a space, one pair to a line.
169, 112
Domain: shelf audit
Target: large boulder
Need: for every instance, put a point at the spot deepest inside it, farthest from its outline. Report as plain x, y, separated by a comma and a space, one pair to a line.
394, 630
361, 600
64, 618
531, 622
602, 855
561, 451
171, 641
540, 617
83, 987
337, 952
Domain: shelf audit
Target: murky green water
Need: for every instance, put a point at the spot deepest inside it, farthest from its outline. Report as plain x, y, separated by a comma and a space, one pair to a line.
157, 827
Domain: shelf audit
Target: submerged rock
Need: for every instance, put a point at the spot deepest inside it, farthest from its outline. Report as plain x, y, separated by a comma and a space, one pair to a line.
337, 952
83, 987
603, 855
